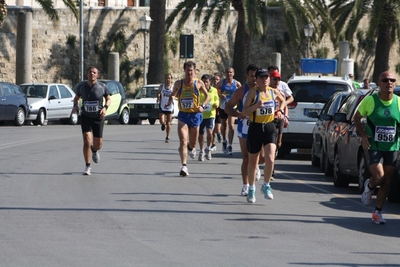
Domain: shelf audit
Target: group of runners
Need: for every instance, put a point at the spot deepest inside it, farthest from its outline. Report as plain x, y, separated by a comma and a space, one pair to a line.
261, 108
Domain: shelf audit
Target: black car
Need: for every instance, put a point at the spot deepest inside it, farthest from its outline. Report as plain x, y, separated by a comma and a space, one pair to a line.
118, 110
322, 132
13, 104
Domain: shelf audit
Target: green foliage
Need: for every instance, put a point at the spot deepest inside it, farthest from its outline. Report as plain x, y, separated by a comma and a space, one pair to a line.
71, 40
322, 52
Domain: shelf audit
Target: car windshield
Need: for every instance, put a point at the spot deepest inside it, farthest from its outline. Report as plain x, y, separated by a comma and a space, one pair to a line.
315, 91
34, 90
147, 92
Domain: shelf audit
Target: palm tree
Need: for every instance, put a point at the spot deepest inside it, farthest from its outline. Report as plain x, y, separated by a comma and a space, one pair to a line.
157, 41
252, 22
48, 8
384, 25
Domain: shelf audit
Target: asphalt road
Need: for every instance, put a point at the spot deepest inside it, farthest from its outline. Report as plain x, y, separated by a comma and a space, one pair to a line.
135, 209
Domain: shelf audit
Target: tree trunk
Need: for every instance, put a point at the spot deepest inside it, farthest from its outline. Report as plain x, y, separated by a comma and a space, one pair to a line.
242, 45
157, 41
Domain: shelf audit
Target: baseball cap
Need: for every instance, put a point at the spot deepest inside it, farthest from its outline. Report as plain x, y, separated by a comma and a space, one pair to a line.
261, 73
275, 74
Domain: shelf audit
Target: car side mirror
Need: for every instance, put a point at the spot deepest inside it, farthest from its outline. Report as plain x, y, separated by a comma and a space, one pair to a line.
340, 117
326, 117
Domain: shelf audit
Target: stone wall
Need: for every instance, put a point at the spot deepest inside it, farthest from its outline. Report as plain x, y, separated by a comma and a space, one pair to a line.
53, 60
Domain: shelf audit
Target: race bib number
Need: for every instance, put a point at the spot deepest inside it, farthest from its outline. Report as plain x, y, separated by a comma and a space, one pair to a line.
207, 107
166, 94
187, 102
91, 106
268, 108
385, 134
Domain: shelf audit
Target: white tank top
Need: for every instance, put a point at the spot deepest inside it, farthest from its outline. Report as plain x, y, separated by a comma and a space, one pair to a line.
165, 94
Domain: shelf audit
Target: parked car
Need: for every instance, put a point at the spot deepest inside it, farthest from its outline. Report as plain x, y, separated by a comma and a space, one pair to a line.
310, 94
145, 106
350, 160
13, 104
118, 110
322, 132
49, 101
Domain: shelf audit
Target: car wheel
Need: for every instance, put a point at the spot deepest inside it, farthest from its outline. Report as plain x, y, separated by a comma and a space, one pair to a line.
363, 173
394, 188
152, 121
124, 117
314, 158
40, 118
339, 180
328, 166
73, 119
19, 117
133, 121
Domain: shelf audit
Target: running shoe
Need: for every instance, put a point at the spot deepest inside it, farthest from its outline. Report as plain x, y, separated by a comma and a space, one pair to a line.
208, 153
87, 171
201, 156
251, 196
213, 147
95, 156
366, 197
166, 139
258, 173
377, 217
219, 138
230, 150
245, 190
184, 171
224, 147
162, 127
267, 191
192, 153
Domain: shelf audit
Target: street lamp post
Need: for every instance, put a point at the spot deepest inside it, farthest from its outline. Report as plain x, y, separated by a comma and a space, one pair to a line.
145, 22
308, 32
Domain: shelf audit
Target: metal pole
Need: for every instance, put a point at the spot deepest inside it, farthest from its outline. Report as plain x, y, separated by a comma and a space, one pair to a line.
81, 71
144, 63
308, 47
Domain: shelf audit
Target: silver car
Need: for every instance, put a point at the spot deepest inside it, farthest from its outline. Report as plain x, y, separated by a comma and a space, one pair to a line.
49, 101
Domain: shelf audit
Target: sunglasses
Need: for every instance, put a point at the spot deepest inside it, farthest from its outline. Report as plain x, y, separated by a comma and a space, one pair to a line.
276, 79
385, 80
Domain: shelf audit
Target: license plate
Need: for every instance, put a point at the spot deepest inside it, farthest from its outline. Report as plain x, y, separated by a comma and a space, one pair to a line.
307, 110
143, 115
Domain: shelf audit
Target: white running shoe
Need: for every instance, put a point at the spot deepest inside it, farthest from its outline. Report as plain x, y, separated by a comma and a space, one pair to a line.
258, 173
377, 217
245, 190
192, 153
184, 171
95, 156
366, 197
87, 171
213, 147
208, 153
201, 156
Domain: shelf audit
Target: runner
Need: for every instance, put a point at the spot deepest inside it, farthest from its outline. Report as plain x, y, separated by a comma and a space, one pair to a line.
190, 115
226, 89
207, 125
260, 105
217, 126
238, 99
92, 117
165, 116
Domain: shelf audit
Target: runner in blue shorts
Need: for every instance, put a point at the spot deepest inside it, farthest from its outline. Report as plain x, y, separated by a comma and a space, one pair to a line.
190, 112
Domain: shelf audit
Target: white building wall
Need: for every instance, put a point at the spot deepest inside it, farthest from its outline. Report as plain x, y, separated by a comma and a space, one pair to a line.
91, 3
